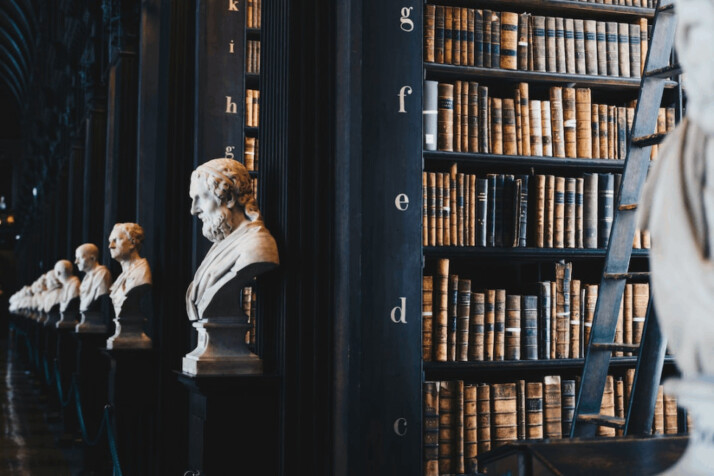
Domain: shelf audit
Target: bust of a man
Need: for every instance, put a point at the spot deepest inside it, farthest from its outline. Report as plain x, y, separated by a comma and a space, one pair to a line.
222, 198
53, 293
70, 283
38, 290
124, 245
97, 278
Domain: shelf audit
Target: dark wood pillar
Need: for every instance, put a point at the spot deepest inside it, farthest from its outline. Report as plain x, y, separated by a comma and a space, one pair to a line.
94, 176
75, 195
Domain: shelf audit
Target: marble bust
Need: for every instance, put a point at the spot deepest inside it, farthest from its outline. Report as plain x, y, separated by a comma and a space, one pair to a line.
39, 288
97, 278
222, 198
130, 287
51, 299
69, 297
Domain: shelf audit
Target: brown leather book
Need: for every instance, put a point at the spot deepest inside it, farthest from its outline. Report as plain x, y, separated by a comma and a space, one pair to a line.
619, 402
456, 117
471, 35
623, 41
561, 52
569, 216
640, 299
529, 327
579, 204
461, 213
523, 24
513, 327
483, 415
591, 291
595, 130
462, 324
546, 129
551, 49
500, 324
458, 463
431, 185
431, 429
590, 27
249, 153
553, 319
601, 28
563, 272
549, 210
473, 117
448, 34
496, 126
467, 208
429, 32
567, 390
519, 122
658, 423
504, 413
464, 36
470, 429
447, 422
439, 33
439, 209
611, 131
556, 120
509, 40
559, 213
644, 43
613, 62
575, 319
427, 318
472, 209
509, 127
579, 35
538, 45
539, 230
607, 406
670, 415
465, 135
425, 209
627, 315
445, 117
583, 122
629, 381
603, 131
525, 119
490, 318
441, 299
634, 31
476, 335
446, 207
536, 129
569, 122
534, 410
570, 63
552, 407
453, 294
483, 107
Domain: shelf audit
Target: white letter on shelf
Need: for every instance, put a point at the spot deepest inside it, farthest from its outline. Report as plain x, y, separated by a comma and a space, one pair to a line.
401, 202
231, 47
232, 5
402, 92
402, 309
231, 107
406, 23
229, 152
400, 426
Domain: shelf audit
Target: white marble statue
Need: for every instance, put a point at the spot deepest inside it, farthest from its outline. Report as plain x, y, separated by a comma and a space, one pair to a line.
96, 283
51, 298
69, 297
221, 197
678, 209
130, 286
39, 288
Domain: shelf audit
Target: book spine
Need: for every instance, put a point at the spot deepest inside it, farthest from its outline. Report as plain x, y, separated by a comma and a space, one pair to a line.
431, 429
583, 113
441, 298
529, 325
570, 53
620, 402
473, 117
496, 126
606, 196
612, 49
456, 36
465, 107
640, 300
553, 318
619, 330
464, 36
525, 119
483, 414
551, 63
499, 325
445, 138
634, 37
425, 209
448, 23
569, 122
446, 208
560, 46
458, 461
509, 40
549, 211
544, 320
539, 52
627, 315
670, 415
509, 127
500, 186
519, 122
591, 291
552, 407
478, 37
562, 307
603, 131
623, 40
556, 107
590, 27
579, 185
476, 334
644, 44
472, 210
460, 202
536, 124
491, 206
569, 212
481, 211
608, 406
595, 131
439, 209
521, 408
456, 116
590, 210
579, 34
427, 316
575, 319
429, 32
431, 113
658, 423
483, 119
487, 23
453, 296
432, 208
522, 52
559, 213
462, 325
601, 37
534, 410
490, 319
568, 405
539, 231
504, 418
546, 129
447, 418
496, 40
471, 36
470, 429
513, 327
523, 212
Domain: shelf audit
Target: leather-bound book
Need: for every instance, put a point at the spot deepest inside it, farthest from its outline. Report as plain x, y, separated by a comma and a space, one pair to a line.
608, 406
496, 126
549, 211
445, 139
429, 32
606, 199
590, 27
601, 37
487, 24
547, 139
500, 324
629, 381
611, 131
483, 415
500, 182
534, 410
569, 240
473, 119
567, 404
470, 429
431, 111
476, 334
644, 44
627, 315
523, 211
552, 419
551, 59
521, 408
523, 24
425, 209
458, 462
556, 109
553, 318
539, 51
432, 208
489, 324
519, 122
613, 61
456, 36
595, 131
453, 296
483, 132
481, 211
463, 316
491, 215
640, 300
439, 34
570, 62
669, 119
575, 318
471, 36
603, 131
478, 37
621, 133
511, 193
496, 40
525, 119
590, 210
579, 34
472, 209
446, 208
441, 300
529, 327
539, 229
465, 93
447, 422
504, 413
670, 415
583, 115
579, 186
623, 40
569, 122
439, 209
559, 213
464, 36
560, 50
460, 211
427, 317
544, 318
536, 129
591, 291
634, 37
513, 327
563, 273
448, 35
509, 127
431, 429
249, 155
457, 116
619, 402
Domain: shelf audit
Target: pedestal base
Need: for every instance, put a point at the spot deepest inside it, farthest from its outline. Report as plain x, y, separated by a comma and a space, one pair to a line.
222, 349
92, 323
129, 334
68, 320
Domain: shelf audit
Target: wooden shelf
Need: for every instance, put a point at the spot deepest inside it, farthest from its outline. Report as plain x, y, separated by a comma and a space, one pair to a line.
522, 254
570, 7
252, 79
252, 33
438, 71
522, 161
251, 132
253, 173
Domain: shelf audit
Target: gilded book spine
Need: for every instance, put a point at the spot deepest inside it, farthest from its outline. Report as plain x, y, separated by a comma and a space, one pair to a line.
552, 407
464, 36
463, 315
425, 208
465, 92
439, 209
445, 139
441, 297
456, 117
496, 126
446, 208
487, 23
476, 334
556, 107
601, 37
603, 131
513, 327
570, 46
606, 198
458, 461
478, 37
473, 119
549, 210
590, 27
575, 318
483, 408
525, 119
568, 405
503, 413
559, 213
431, 429
551, 64
460, 205
481, 211
560, 45
496, 40
483, 119
562, 306
613, 61
427, 317
523, 41
500, 324
456, 36
583, 117
534, 410
523, 211
529, 326
432, 207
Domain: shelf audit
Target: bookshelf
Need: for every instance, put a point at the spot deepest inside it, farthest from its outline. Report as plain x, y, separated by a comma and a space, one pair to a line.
516, 269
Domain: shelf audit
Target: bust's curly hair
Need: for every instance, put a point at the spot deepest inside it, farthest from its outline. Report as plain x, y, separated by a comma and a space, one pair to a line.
229, 180
134, 232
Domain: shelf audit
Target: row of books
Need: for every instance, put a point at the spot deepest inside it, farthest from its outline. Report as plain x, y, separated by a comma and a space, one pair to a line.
250, 153
252, 13
542, 211
463, 117
628, 3
252, 57
463, 421
248, 299
252, 107
484, 38
461, 322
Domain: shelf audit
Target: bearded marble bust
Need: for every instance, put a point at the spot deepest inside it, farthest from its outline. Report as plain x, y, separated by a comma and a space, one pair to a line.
222, 198
125, 243
97, 278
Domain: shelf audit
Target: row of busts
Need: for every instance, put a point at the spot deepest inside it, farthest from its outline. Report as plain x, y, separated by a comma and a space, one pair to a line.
58, 298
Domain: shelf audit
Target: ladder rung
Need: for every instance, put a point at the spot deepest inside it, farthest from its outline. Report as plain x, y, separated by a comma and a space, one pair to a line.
628, 206
615, 347
630, 275
664, 8
603, 420
646, 141
666, 72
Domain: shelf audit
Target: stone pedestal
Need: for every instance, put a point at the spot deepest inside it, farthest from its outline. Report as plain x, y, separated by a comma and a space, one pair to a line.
129, 331
68, 317
92, 319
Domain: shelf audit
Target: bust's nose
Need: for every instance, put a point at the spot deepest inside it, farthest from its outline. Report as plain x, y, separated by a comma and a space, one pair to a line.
195, 210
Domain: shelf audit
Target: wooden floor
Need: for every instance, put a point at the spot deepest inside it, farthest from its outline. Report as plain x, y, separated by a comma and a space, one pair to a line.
29, 431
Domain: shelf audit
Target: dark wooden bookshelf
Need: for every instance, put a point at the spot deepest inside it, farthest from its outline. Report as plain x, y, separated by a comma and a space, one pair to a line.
522, 254
251, 131
437, 71
252, 80
561, 7
252, 33
522, 161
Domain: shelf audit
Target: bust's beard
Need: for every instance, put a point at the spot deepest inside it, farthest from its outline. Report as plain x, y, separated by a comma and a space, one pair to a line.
217, 227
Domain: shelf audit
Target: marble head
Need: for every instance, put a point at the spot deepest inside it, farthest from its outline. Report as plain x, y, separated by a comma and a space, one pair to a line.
63, 270
86, 256
125, 241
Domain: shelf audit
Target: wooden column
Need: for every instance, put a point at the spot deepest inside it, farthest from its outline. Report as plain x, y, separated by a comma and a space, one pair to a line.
94, 176
75, 193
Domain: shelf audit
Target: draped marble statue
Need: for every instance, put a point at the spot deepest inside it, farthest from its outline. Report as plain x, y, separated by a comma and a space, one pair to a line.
51, 298
678, 209
222, 198
95, 285
69, 297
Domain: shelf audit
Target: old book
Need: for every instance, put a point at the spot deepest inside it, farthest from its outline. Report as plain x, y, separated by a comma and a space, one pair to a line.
569, 241
456, 127
496, 126
591, 291
603, 131
613, 61
623, 39
536, 124
534, 410
249, 152
473, 117
463, 315
551, 61
470, 429
569, 122
590, 27
446, 208
539, 51
606, 197
445, 139
634, 37
472, 210
448, 33
583, 114
429, 32
567, 405
619, 330
500, 186
619, 402
458, 462
544, 320
427, 317
439, 209
476, 332
523, 23
500, 324
595, 131
523, 211
559, 213
519, 122
570, 62
431, 429
431, 112
489, 324
529, 327
521, 408
465, 93
627, 315
563, 272
509, 40
491, 214
481, 211
629, 381
487, 24
669, 119
471, 33
560, 51
547, 139
441, 300
552, 407
601, 37
579, 34
549, 211
575, 319
453, 297
640, 300
456, 36
496, 40
483, 102
611, 133
447, 422
464, 36
460, 210
553, 318
431, 181
478, 37
556, 108
509, 127
513, 327
621, 133
607, 406
425, 209
590, 210
453, 205
503, 413
525, 119
643, 43
539, 229
483, 415
670, 415
579, 186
